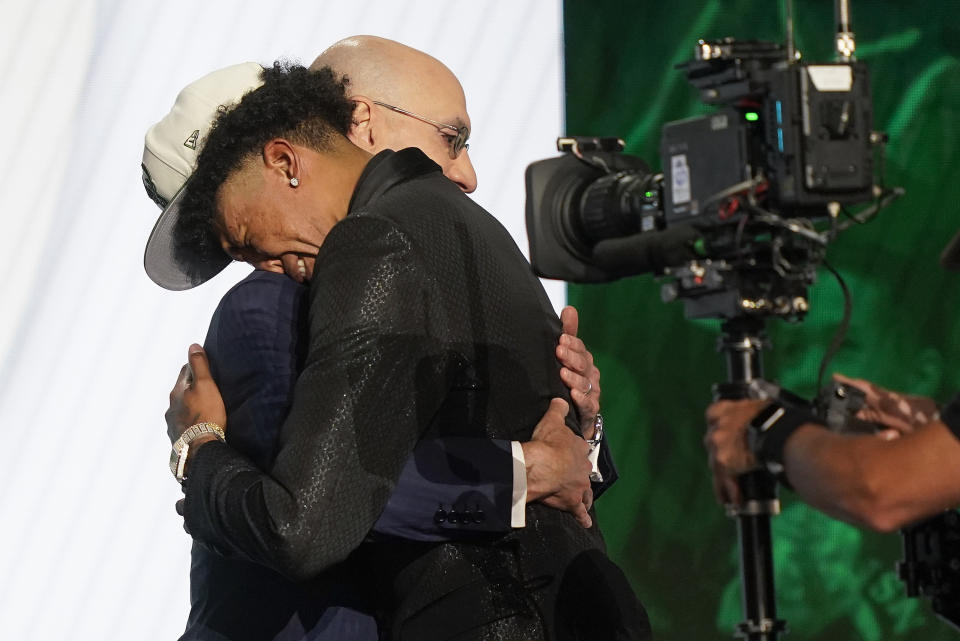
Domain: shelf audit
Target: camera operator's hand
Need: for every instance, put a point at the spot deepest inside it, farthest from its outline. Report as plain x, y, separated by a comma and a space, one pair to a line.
558, 470
578, 371
728, 452
901, 413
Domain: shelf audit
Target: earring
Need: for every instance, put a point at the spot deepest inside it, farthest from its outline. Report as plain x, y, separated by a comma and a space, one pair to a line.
294, 181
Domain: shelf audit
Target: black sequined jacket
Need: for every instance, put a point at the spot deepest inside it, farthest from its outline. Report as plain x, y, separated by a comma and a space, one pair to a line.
425, 320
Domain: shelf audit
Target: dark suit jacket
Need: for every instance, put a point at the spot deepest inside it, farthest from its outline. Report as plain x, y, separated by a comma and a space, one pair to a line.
425, 321
256, 345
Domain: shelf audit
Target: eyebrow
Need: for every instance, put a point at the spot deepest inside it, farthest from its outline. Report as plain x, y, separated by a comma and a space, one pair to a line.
456, 121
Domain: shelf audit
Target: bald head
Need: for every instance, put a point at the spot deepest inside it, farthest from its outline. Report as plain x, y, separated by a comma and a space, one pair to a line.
385, 71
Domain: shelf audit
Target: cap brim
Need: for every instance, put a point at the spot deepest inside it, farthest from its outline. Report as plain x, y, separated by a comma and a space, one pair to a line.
176, 267
950, 257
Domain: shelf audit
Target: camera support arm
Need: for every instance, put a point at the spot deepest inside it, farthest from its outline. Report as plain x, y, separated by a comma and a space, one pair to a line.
741, 343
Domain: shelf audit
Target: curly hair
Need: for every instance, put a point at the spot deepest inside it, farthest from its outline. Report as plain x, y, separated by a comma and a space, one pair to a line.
304, 106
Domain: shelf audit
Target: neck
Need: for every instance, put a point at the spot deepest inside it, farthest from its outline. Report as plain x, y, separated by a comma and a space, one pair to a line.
340, 169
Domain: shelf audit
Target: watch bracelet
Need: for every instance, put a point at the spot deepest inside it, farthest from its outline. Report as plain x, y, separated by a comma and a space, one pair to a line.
206, 427
597, 431
177, 454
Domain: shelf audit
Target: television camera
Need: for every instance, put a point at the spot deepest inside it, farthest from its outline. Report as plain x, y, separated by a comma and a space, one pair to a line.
735, 225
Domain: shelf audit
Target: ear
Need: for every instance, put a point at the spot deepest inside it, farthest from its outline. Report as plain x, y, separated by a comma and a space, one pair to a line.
280, 158
361, 132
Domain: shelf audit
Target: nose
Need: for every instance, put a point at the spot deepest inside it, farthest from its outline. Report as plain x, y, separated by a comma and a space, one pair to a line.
461, 171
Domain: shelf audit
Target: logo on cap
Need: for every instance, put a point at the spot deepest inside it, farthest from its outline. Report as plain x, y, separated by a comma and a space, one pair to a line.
191, 141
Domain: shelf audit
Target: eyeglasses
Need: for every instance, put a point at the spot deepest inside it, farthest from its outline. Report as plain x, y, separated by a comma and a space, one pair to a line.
458, 140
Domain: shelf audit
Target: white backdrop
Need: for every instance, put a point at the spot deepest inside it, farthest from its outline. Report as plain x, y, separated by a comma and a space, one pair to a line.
90, 546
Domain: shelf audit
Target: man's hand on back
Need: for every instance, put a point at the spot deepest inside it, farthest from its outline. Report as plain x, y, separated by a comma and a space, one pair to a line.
195, 398
558, 471
578, 371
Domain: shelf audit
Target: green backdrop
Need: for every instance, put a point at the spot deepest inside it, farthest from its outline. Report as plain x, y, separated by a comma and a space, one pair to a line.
660, 520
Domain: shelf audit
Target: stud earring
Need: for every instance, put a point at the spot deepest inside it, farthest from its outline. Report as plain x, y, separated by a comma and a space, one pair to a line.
294, 181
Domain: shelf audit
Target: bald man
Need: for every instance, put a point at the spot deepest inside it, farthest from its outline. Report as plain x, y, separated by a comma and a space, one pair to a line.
251, 602
401, 94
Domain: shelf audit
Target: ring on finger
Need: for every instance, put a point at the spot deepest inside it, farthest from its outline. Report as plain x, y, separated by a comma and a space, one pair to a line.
589, 388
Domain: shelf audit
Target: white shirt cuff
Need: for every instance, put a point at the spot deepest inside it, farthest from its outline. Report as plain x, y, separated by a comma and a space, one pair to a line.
518, 510
594, 457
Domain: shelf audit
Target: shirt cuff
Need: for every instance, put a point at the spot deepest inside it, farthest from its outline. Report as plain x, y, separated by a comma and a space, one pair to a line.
518, 511
594, 457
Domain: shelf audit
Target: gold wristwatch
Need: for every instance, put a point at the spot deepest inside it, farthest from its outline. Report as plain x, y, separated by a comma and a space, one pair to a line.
178, 456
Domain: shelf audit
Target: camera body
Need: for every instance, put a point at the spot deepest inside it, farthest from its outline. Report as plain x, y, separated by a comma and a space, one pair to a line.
790, 144
804, 128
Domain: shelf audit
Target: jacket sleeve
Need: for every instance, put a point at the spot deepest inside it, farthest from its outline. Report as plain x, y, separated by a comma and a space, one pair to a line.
607, 470
449, 488
377, 370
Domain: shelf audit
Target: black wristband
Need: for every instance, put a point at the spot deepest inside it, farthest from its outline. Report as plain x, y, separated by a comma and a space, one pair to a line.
768, 434
950, 415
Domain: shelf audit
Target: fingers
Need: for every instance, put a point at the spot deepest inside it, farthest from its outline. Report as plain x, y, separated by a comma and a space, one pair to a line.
731, 491
863, 384
294, 267
558, 465
569, 320
579, 373
179, 508
583, 517
572, 353
581, 387
184, 380
554, 418
198, 363
716, 410
726, 489
559, 408
575, 507
195, 397
873, 394
719, 492
728, 453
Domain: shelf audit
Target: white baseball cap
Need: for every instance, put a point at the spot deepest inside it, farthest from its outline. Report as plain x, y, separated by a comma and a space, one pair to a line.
170, 151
